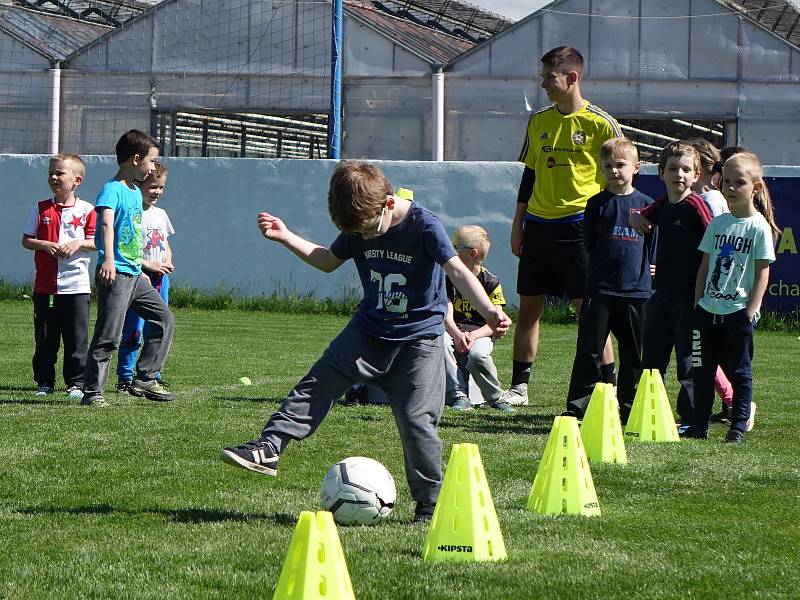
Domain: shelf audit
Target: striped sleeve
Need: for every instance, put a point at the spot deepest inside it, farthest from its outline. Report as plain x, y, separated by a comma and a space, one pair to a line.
526, 142
615, 129
700, 207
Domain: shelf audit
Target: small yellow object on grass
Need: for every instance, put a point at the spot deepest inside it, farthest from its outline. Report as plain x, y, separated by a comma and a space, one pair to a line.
245, 381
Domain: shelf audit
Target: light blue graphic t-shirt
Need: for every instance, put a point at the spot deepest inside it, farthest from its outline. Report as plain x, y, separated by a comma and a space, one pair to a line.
126, 203
733, 246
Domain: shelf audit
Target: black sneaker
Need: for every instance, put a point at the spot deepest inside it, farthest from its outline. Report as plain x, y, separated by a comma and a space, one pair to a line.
722, 416
423, 513
734, 436
123, 385
357, 394
258, 456
152, 390
693, 433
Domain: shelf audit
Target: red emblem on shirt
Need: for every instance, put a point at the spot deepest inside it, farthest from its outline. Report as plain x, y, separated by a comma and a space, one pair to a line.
76, 222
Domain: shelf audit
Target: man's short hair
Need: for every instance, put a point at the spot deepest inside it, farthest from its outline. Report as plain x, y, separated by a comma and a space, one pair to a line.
357, 195
473, 236
134, 142
78, 166
678, 149
563, 59
617, 148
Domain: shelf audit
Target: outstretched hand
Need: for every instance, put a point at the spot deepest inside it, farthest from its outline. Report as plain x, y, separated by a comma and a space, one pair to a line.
272, 227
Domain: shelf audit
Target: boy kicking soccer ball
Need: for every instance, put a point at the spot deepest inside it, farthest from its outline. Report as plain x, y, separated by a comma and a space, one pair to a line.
394, 339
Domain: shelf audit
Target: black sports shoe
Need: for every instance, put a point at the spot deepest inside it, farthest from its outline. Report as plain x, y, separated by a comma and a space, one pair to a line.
423, 513
258, 456
123, 385
152, 390
693, 433
722, 416
734, 436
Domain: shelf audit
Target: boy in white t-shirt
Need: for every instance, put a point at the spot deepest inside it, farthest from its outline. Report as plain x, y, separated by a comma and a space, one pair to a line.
60, 231
156, 263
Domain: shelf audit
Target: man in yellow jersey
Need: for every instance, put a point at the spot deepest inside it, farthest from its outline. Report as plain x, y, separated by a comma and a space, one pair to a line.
561, 155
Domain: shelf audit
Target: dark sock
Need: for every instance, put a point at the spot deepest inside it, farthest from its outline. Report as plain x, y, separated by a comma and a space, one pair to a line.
609, 373
521, 372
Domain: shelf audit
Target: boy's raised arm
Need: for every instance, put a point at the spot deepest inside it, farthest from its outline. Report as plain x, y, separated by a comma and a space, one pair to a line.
468, 284
315, 255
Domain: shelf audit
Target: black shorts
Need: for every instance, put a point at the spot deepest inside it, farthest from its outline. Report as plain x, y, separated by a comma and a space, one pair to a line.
553, 259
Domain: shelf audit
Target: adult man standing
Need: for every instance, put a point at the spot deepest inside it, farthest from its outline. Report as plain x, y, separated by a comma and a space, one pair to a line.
561, 155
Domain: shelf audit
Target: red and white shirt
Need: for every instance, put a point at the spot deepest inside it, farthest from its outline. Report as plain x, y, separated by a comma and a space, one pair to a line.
54, 222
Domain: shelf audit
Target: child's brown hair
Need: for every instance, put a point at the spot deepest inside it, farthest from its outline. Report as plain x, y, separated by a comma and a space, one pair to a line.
357, 195
678, 149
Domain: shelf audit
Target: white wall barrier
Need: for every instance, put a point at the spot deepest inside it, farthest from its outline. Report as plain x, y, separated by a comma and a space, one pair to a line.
213, 203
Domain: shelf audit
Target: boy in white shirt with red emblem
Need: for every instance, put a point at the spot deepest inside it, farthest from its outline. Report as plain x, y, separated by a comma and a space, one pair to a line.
60, 231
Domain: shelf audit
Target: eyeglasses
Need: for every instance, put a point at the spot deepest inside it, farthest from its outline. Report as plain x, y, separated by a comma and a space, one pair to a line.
373, 233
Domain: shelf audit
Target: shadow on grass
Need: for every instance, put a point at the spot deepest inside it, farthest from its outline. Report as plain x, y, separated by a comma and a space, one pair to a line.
247, 399
178, 515
484, 421
40, 400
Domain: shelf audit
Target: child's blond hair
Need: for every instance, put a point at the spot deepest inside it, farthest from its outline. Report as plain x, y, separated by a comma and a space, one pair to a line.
78, 166
617, 148
473, 236
762, 199
357, 195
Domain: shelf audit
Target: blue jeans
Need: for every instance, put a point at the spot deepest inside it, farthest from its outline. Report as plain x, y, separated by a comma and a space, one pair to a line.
134, 329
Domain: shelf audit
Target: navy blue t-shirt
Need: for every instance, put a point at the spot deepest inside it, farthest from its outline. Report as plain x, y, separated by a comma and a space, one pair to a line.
619, 258
402, 276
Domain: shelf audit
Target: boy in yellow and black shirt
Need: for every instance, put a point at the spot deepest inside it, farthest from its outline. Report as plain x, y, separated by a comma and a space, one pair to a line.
469, 340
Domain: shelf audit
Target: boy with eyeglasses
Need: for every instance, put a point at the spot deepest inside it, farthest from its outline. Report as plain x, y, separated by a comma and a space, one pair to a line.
469, 341
394, 340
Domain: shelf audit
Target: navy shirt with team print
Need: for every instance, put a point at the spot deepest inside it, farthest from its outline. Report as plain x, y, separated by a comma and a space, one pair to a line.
402, 276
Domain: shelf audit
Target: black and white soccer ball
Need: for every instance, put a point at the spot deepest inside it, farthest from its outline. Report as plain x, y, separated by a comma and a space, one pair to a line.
358, 491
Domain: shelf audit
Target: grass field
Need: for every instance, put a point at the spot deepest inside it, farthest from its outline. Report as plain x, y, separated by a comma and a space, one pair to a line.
131, 501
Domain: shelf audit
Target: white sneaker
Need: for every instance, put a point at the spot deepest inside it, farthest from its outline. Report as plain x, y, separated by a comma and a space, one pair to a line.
74, 393
751, 420
516, 395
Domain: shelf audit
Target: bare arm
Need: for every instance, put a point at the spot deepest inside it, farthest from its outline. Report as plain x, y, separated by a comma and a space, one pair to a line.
759, 288
107, 272
31, 243
700, 281
481, 332
471, 288
313, 254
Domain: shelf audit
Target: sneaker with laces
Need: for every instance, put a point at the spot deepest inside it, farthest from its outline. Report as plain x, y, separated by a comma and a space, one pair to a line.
751, 420
257, 455
97, 401
423, 513
123, 385
503, 407
516, 395
74, 393
734, 436
462, 403
44, 390
152, 390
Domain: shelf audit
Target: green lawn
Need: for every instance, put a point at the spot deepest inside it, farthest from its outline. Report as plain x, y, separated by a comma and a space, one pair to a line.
131, 501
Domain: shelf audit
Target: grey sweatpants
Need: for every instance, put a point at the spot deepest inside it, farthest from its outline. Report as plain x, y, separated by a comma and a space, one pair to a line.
113, 302
411, 373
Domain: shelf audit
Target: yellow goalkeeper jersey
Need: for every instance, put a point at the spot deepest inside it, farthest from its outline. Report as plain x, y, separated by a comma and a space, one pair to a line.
563, 150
